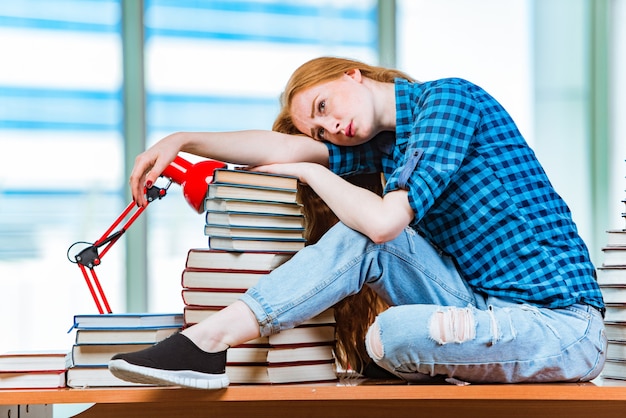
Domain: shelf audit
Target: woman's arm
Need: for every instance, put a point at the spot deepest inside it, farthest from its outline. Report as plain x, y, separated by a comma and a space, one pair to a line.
379, 218
253, 147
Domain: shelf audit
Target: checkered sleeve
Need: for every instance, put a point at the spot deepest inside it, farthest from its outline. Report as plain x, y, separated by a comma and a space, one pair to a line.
438, 141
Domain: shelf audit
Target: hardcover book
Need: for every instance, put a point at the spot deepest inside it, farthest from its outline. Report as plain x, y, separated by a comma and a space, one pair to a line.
252, 206
237, 191
256, 220
209, 258
256, 245
255, 178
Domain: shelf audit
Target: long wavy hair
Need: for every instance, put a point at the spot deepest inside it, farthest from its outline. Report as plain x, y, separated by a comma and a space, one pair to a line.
356, 313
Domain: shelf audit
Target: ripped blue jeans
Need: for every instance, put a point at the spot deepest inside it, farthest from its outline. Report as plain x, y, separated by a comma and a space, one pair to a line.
437, 326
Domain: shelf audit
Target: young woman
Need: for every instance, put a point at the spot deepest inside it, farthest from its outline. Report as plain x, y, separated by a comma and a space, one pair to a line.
475, 253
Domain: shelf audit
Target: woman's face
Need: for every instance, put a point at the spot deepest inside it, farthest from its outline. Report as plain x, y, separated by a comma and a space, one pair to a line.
340, 111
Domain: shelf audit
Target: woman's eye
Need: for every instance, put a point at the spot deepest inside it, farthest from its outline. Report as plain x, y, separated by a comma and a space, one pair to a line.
321, 106
320, 133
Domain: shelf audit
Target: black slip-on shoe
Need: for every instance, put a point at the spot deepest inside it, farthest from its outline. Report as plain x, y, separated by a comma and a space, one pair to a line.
175, 361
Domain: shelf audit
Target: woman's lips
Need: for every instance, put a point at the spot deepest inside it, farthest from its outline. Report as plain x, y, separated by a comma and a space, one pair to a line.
349, 132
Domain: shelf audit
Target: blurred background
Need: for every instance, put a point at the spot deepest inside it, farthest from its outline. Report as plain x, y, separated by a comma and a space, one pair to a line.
85, 85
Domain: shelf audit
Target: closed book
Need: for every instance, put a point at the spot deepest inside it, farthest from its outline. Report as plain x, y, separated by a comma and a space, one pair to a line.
52, 379
310, 372
614, 294
616, 237
211, 297
611, 275
256, 245
220, 278
301, 336
255, 178
237, 191
124, 335
99, 354
128, 320
257, 220
615, 331
616, 351
266, 354
95, 376
252, 206
31, 361
615, 312
615, 369
304, 334
209, 258
614, 256
253, 232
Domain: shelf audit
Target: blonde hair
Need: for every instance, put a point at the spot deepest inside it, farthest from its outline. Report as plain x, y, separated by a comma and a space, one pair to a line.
321, 70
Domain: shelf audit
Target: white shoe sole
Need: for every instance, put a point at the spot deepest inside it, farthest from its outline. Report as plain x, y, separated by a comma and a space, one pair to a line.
187, 378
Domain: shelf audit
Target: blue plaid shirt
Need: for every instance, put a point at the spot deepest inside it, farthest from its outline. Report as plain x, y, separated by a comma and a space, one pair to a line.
479, 194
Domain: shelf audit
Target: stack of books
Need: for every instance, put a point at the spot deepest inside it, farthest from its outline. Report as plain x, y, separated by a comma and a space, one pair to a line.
32, 369
612, 281
254, 224
99, 337
253, 211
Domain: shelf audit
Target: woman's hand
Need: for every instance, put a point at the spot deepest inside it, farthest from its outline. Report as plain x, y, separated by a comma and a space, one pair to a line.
149, 165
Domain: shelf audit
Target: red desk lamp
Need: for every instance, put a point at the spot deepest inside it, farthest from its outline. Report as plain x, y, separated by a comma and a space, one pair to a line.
194, 180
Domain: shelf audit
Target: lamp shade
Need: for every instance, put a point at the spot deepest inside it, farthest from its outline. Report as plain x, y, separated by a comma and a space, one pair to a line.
193, 178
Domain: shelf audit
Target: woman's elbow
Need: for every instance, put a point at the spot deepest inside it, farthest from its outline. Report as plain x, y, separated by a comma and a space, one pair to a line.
380, 233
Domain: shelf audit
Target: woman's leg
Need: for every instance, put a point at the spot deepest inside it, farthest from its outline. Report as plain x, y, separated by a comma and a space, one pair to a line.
404, 270
506, 342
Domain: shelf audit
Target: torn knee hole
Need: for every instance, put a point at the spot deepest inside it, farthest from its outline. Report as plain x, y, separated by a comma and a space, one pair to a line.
373, 343
454, 325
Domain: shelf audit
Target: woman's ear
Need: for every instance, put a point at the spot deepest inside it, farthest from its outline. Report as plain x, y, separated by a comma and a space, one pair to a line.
355, 74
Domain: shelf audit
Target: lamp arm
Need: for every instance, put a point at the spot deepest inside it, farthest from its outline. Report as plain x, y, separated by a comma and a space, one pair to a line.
194, 180
89, 257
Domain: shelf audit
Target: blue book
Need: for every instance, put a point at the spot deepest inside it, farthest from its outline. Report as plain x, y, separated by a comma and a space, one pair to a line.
128, 320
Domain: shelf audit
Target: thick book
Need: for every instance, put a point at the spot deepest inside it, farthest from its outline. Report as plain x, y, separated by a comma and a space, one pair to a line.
253, 232
209, 258
128, 320
52, 379
254, 220
615, 313
192, 278
614, 369
616, 238
98, 354
95, 376
238, 191
255, 178
124, 335
614, 256
211, 297
615, 331
245, 354
256, 245
311, 372
32, 361
252, 206
616, 350
611, 275
614, 294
